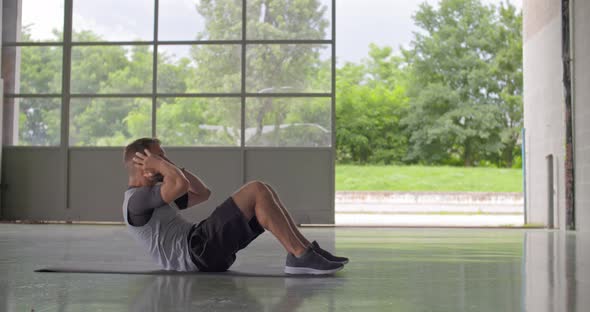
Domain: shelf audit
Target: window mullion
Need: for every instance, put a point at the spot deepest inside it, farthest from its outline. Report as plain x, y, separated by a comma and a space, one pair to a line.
65, 89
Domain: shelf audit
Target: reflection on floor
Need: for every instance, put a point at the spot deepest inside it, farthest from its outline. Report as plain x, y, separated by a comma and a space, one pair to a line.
390, 270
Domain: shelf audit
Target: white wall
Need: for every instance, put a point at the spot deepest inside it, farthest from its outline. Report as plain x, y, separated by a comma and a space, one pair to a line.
543, 108
581, 81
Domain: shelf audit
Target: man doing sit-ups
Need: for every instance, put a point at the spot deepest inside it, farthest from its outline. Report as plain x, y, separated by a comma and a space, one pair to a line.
158, 189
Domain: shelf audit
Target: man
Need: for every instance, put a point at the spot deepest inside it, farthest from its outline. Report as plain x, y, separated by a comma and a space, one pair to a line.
158, 188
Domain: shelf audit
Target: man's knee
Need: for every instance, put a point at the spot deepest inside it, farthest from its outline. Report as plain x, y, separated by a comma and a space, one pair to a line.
247, 197
270, 188
257, 187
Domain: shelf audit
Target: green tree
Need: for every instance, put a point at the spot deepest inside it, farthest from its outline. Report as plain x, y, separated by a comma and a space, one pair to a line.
94, 121
461, 104
507, 71
270, 68
93, 65
197, 121
40, 72
40, 69
370, 102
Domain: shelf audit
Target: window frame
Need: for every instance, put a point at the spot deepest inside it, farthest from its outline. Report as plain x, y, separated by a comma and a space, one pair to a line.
66, 95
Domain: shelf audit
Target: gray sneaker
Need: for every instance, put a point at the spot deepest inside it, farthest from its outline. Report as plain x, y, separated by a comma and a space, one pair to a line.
310, 262
327, 255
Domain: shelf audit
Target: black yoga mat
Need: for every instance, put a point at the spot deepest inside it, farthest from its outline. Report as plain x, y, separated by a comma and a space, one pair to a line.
163, 272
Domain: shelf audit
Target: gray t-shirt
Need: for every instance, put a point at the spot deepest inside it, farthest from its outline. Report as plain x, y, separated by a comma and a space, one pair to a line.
145, 200
165, 232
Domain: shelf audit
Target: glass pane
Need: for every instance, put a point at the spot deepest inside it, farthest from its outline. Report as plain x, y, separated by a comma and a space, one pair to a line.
35, 70
288, 68
200, 20
199, 121
41, 20
288, 122
199, 69
109, 121
32, 121
112, 69
113, 20
289, 19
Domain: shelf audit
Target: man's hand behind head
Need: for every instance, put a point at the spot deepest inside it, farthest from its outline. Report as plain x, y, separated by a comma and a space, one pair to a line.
148, 162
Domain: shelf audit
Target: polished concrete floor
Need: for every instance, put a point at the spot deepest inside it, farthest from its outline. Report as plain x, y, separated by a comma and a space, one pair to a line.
390, 270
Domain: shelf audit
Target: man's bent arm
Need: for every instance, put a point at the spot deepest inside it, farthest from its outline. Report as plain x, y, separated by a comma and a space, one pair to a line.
175, 182
197, 186
198, 192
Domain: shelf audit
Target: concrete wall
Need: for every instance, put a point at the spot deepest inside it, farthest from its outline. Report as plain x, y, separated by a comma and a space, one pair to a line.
1, 110
96, 181
543, 108
581, 100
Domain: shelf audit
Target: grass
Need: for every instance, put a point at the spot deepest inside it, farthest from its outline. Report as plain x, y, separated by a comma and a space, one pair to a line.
424, 178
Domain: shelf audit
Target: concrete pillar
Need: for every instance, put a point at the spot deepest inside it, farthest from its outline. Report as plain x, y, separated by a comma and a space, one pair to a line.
1, 114
11, 29
543, 109
581, 106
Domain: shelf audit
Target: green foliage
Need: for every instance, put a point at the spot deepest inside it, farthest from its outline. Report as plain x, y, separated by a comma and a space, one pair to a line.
286, 19
270, 68
453, 97
427, 178
36, 117
294, 122
181, 122
43, 70
465, 83
103, 121
370, 102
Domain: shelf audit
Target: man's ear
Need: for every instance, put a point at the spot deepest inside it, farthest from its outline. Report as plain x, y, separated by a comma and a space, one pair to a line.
129, 167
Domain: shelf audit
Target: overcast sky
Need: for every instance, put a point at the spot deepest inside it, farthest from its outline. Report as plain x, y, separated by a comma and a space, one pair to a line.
384, 22
359, 22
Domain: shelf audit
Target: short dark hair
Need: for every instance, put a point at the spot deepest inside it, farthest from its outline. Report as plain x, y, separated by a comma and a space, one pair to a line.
138, 145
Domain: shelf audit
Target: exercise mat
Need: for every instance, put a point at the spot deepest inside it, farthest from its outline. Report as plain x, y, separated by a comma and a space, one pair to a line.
74, 269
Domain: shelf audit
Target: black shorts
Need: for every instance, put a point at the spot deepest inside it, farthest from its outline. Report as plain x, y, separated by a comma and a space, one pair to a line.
214, 242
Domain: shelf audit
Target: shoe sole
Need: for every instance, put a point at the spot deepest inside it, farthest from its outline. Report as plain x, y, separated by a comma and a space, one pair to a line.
302, 270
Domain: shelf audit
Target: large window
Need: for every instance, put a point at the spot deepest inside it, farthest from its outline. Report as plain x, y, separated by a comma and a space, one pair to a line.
191, 72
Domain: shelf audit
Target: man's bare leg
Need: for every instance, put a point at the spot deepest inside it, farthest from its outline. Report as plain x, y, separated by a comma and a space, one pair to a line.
255, 199
302, 238
288, 216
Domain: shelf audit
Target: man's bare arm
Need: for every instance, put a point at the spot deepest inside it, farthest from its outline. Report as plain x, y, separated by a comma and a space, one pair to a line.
175, 184
198, 192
